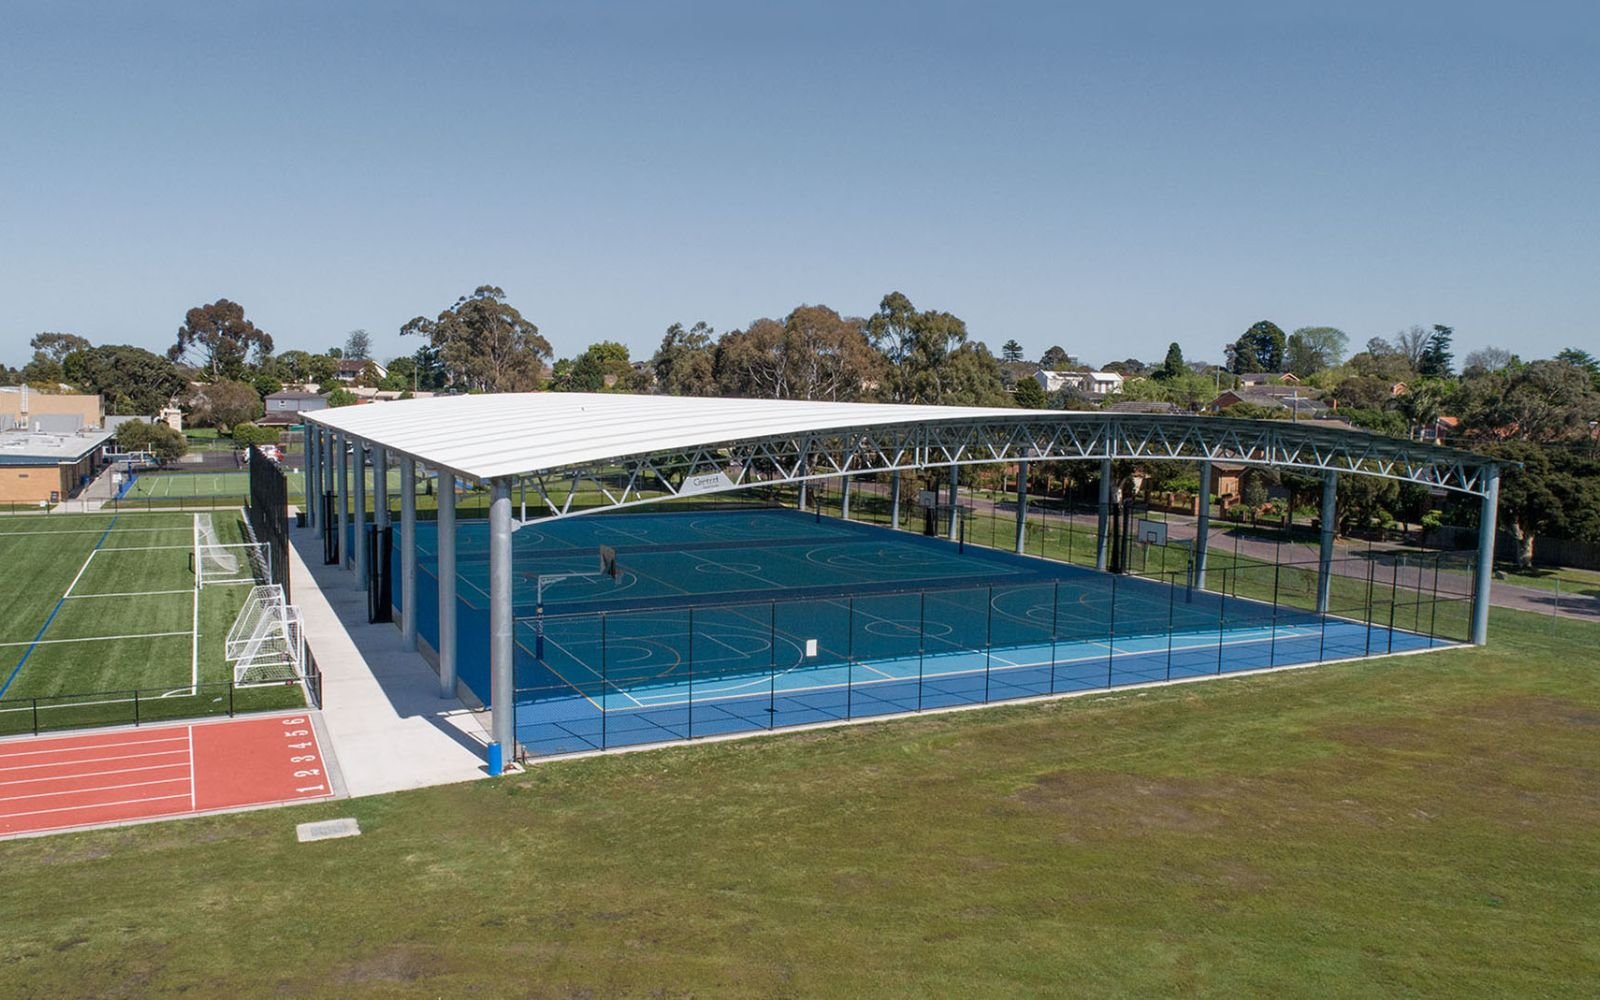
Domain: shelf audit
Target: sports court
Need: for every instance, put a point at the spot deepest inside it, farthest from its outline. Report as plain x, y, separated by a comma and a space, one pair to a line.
115, 776
745, 619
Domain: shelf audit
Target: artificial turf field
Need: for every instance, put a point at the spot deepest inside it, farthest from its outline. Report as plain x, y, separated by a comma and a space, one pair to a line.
96, 606
1420, 825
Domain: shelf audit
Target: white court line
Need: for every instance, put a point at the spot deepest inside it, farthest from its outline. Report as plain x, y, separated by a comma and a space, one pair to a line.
148, 548
90, 760
64, 777
86, 791
95, 805
97, 638
134, 593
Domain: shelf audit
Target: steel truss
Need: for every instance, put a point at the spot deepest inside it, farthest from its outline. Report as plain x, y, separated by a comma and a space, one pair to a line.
633, 480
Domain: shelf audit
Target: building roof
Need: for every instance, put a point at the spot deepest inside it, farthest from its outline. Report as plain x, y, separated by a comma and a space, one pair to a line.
29, 448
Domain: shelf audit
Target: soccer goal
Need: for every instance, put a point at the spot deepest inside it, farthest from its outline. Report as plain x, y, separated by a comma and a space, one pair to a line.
214, 562
266, 644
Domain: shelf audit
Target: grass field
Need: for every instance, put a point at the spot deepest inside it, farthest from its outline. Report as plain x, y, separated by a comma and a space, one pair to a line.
99, 603
1416, 826
154, 485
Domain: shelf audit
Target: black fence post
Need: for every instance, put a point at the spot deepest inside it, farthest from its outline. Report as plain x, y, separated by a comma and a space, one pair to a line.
230, 699
135, 706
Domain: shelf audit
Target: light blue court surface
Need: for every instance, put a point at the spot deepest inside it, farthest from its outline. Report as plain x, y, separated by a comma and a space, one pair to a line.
725, 622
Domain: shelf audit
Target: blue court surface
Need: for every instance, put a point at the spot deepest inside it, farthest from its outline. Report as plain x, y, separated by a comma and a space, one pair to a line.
723, 622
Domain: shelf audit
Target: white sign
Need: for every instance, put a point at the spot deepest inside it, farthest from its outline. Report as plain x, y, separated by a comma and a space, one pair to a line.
811, 647
708, 483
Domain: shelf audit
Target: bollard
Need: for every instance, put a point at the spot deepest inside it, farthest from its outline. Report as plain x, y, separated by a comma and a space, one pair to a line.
497, 764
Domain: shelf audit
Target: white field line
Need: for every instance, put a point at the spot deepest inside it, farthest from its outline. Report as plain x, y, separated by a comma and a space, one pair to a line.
83, 531
122, 745
75, 579
95, 638
134, 593
194, 629
147, 548
95, 805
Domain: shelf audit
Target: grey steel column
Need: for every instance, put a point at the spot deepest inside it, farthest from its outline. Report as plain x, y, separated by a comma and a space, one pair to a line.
803, 491
1022, 506
955, 491
358, 458
380, 487
1486, 535
1330, 500
1105, 515
502, 683
308, 478
844, 497
894, 501
342, 488
1202, 534
408, 553
446, 491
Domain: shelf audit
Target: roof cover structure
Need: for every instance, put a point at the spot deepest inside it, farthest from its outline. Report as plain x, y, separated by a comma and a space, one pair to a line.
484, 436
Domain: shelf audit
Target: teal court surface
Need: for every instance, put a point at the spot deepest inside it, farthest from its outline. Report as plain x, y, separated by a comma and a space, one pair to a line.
751, 619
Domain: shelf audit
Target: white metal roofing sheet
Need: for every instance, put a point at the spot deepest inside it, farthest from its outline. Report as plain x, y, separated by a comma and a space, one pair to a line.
504, 434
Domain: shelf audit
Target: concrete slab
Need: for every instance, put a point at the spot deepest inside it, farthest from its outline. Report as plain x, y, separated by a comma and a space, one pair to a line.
387, 725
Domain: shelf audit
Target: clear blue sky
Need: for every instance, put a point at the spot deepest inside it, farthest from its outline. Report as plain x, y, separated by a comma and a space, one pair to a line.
1108, 182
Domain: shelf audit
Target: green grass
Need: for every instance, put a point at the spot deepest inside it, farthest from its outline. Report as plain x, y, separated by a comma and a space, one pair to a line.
1423, 825
156, 485
1577, 582
105, 603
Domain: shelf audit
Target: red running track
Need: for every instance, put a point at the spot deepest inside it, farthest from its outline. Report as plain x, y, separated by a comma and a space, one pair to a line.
91, 779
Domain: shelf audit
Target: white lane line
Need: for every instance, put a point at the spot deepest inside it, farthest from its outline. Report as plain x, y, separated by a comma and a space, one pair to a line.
69, 777
88, 791
93, 760
96, 805
155, 737
98, 638
191, 769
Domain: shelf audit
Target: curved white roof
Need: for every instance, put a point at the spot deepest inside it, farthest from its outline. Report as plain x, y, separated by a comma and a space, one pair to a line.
484, 436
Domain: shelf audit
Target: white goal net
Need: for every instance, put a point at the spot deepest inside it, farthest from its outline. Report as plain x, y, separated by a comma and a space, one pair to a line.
214, 562
266, 644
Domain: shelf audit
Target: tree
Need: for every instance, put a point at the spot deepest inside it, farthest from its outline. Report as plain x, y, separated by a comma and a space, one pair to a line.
928, 357
131, 380
1581, 359
341, 396
813, 354
1436, 360
1544, 401
485, 344
265, 383
248, 435
1055, 359
219, 341
1030, 395
166, 444
685, 363
1173, 366
1258, 349
600, 367
321, 369
1541, 493
1411, 344
1311, 349
224, 403
358, 345
1420, 405
49, 351
1010, 352
1487, 360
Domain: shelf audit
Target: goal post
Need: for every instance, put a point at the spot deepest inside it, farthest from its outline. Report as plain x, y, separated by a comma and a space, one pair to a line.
219, 563
266, 644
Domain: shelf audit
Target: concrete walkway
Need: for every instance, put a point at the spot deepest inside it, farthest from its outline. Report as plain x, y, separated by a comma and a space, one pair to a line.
389, 730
